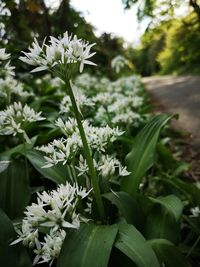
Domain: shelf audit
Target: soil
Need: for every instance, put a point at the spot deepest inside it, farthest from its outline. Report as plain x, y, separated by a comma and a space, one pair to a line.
180, 95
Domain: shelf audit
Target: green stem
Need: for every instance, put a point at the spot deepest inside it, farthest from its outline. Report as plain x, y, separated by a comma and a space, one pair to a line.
87, 153
26, 161
193, 247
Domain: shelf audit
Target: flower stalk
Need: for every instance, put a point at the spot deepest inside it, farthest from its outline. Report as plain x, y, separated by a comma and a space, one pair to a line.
86, 151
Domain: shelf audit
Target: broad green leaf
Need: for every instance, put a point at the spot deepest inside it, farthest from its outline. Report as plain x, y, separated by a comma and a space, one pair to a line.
191, 191
161, 223
57, 174
15, 191
89, 246
131, 242
168, 253
19, 149
172, 203
10, 256
128, 207
119, 259
141, 158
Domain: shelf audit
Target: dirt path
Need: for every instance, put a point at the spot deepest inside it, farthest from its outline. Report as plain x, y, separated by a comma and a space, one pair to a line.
178, 95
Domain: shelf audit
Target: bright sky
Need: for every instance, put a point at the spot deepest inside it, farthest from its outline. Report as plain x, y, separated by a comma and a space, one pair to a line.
109, 16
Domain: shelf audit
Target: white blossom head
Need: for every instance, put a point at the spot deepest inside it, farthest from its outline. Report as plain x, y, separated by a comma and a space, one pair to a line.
15, 118
6, 69
195, 212
118, 63
3, 54
64, 55
57, 212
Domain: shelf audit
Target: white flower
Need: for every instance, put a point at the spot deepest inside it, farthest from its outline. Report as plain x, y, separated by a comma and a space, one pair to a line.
81, 101
61, 53
118, 63
57, 211
14, 118
83, 167
3, 54
195, 212
33, 57
66, 149
109, 165
127, 118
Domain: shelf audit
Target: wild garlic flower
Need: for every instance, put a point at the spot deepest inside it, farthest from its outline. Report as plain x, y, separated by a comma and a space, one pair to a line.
86, 82
129, 117
195, 212
5, 68
98, 137
65, 149
15, 118
118, 63
62, 55
10, 86
81, 101
47, 222
107, 167
3, 54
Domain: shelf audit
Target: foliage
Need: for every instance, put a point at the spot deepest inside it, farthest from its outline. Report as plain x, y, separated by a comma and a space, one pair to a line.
21, 21
75, 201
161, 9
181, 53
169, 47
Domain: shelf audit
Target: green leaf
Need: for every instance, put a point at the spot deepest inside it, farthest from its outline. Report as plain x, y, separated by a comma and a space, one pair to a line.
19, 149
166, 157
131, 242
128, 207
161, 223
57, 174
191, 191
15, 255
168, 253
141, 158
89, 246
172, 203
15, 190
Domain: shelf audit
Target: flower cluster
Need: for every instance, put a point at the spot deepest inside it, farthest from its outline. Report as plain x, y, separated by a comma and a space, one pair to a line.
11, 88
3, 54
82, 101
107, 166
5, 68
47, 222
15, 118
113, 103
66, 150
195, 212
118, 63
63, 53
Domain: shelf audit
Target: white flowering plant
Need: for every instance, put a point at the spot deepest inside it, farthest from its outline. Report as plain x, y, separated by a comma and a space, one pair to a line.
77, 188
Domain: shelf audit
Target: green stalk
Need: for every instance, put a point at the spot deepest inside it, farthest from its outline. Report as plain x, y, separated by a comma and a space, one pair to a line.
193, 247
86, 151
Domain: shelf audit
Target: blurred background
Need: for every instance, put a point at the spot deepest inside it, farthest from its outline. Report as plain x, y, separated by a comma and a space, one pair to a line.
156, 36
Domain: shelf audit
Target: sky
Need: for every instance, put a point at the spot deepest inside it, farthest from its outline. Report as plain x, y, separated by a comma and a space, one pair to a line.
109, 16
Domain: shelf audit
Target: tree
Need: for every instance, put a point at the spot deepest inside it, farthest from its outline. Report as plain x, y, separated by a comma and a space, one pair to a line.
164, 8
25, 19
